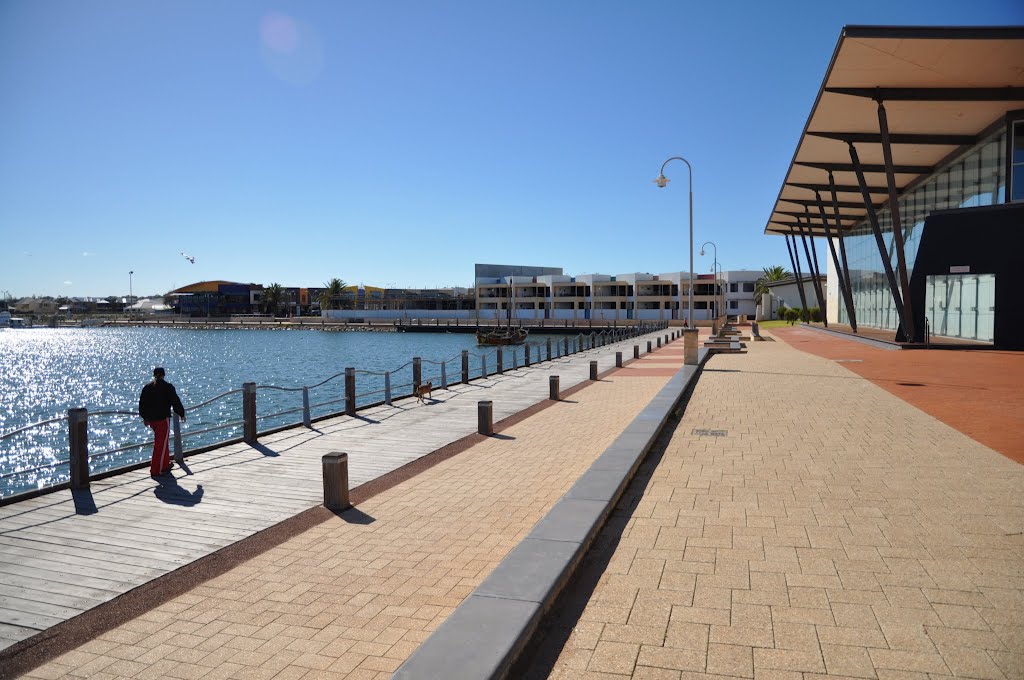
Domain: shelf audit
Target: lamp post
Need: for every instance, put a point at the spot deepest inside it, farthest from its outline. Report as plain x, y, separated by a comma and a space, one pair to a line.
130, 302
714, 268
662, 182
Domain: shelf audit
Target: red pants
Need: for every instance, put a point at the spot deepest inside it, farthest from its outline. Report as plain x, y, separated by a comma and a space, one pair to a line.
161, 462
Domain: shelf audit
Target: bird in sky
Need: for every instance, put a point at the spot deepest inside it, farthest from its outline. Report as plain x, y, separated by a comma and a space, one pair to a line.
189, 258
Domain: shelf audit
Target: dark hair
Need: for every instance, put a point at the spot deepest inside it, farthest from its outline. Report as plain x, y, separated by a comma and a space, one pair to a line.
158, 372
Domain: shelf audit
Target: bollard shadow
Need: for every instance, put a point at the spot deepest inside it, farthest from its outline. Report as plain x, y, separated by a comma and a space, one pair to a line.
354, 515
501, 436
265, 450
185, 468
169, 492
84, 502
365, 419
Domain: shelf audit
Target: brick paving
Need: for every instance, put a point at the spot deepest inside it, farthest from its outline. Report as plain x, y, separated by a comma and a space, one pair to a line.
979, 392
354, 596
834, 530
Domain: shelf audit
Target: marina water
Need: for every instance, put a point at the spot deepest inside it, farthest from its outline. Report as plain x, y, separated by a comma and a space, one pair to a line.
44, 372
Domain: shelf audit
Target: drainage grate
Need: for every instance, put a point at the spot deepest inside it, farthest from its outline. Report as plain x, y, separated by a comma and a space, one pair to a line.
705, 432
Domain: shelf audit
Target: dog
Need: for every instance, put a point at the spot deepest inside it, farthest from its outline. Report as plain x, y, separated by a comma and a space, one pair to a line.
424, 390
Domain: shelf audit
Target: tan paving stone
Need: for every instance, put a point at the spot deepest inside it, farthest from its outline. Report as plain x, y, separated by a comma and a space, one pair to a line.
849, 661
732, 660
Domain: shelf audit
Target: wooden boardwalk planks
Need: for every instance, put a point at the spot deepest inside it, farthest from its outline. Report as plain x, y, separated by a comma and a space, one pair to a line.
56, 563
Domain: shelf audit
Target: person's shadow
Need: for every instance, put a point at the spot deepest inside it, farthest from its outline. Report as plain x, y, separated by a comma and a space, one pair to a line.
169, 492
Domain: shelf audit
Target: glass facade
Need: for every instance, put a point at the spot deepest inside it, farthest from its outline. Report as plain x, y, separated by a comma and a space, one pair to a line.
976, 178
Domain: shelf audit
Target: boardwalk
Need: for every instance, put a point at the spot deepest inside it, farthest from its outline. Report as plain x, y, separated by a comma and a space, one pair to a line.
61, 554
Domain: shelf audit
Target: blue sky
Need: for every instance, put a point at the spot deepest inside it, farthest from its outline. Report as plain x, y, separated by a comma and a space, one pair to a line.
399, 143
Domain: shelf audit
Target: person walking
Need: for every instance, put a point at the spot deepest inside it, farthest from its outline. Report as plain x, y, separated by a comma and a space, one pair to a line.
155, 403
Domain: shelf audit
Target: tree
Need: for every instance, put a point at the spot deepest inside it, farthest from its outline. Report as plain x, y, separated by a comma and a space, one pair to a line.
273, 296
771, 275
331, 294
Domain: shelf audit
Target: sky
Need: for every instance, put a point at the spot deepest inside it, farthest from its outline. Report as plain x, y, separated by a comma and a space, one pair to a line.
397, 144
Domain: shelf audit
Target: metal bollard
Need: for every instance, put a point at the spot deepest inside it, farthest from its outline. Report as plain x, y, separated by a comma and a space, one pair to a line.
485, 417
78, 436
618, 360
526, 359
483, 367
549, 349
554, 393
636, 351
501, 360
465, 366
515, 358
593, 370
179, 455
565, 346
387, 388
335, 471
690, 346
417, 373
350, 391
306, 419
658, 340
249, 412
649, 347
444, 377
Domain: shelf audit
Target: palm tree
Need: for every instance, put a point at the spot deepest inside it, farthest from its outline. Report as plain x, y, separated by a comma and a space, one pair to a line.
273, 295
333, 290
771, 275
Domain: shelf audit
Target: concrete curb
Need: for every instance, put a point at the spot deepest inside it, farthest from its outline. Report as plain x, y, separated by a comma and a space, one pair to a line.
880, 344
484, 635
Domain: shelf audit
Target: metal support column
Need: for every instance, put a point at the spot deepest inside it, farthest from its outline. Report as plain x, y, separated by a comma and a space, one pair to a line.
812, 264
882, 252
897, 227
840, 278
795, 261
845, 273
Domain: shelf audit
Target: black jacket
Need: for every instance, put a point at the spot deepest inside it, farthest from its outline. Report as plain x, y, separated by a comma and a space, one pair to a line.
157, 400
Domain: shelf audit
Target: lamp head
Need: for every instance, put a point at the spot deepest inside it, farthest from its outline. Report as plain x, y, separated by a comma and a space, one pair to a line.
702, 252
662, 181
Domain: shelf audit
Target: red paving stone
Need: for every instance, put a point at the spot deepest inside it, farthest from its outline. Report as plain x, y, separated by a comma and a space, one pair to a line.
978, 392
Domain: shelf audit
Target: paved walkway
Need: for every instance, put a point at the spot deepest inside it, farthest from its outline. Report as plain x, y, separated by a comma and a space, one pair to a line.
978, 392
832, 529
353, 597
64, 553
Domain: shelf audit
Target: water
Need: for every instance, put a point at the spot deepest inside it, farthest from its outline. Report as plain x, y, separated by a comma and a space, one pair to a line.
44, 372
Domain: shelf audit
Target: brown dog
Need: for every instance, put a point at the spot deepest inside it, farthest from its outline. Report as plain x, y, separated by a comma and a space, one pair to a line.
424, 390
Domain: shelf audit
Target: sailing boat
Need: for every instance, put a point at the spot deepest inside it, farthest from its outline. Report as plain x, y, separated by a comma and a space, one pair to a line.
506, 335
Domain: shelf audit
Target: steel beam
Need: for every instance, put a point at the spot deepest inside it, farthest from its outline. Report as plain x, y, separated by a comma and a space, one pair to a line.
882, 253
922, 139
841, 204
897, 225
845, 216
841, 188
842, 255
934, 94
812, 268
866, 167
796, 270
822, 299
844, 289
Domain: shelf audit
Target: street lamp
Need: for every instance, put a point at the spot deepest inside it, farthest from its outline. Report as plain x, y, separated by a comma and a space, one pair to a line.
130, 296
662, 182
714, 267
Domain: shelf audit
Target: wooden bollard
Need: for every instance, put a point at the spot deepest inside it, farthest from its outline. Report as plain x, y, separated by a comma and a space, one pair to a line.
658, 340
465, 366
485, 417
350, 391
78, 436
249, 412
554, 393
593, 370
526, 357
417, 373
501, 360
649, 347
335, 471
636, 351
618, 360
549, 349
307, 421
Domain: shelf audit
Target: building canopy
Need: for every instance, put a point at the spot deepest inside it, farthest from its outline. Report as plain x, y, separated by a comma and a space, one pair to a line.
941, 87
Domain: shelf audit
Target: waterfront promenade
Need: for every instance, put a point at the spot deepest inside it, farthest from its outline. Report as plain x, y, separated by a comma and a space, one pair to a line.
797, 522
65, 553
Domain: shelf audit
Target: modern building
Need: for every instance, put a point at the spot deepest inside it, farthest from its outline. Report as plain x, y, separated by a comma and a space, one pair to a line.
911, 166
604, 297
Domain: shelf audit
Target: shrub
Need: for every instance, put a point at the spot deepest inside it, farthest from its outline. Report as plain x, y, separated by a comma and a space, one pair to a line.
815, 313
792, 315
